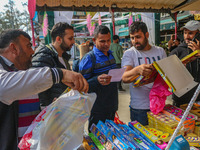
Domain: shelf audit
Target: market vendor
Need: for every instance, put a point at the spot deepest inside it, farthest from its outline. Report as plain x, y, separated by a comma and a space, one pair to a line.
15, 54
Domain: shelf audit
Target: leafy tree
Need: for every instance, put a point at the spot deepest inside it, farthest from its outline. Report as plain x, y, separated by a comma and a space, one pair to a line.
11, 17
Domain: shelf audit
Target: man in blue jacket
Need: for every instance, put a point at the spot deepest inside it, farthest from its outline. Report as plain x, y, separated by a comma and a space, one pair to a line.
94, 66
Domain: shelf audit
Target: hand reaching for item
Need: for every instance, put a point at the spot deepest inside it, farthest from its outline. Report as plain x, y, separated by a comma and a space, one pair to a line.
75, 80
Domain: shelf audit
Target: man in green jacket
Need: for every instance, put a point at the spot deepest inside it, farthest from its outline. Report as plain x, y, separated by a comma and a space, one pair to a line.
117, 53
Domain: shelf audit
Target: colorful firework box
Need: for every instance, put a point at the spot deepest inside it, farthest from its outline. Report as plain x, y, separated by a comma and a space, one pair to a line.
195, 108
116, 140
117, 137
162, 122
111, 136
176, 113
145, 144
118, 132
191, 57
142, 80
193, 140
160, 134
88, 143
140, 129
105, 142
180, 82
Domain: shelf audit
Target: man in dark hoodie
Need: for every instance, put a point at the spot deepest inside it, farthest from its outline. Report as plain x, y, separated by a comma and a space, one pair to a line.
54, 56
190, 44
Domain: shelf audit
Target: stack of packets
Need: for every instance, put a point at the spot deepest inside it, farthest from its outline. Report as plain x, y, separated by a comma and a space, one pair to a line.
162, 122
168, 120
195, 110
111, 136
176, 113
193, 140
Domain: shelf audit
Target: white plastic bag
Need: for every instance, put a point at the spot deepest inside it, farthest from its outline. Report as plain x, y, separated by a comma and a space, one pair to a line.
60, 125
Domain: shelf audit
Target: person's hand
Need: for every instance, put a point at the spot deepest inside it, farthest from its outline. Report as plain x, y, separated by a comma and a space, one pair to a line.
145, 69
104, 79
55, 98
172, 37
75, 80
194, 46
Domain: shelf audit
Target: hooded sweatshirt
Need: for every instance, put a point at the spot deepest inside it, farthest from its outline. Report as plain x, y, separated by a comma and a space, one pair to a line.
193, 67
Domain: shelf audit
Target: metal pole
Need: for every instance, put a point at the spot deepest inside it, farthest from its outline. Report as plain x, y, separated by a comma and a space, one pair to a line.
33, 37
184, 116
175, 16
113, 21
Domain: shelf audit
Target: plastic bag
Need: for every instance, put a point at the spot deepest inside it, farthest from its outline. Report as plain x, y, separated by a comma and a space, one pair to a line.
117, 120
158, 95
60, 125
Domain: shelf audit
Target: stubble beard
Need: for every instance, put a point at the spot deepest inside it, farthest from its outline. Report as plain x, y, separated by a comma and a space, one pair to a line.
64, 47
143, 45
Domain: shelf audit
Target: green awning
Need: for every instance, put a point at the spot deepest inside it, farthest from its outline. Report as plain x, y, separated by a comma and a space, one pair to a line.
168, 24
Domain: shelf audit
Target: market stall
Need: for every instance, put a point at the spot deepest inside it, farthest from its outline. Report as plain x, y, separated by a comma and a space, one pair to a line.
163, 126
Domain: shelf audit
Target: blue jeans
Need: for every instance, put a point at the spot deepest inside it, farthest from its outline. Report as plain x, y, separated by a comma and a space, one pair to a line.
140, 115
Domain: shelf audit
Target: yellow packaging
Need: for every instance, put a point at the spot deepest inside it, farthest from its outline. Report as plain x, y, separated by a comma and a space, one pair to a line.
193, 140
197, 130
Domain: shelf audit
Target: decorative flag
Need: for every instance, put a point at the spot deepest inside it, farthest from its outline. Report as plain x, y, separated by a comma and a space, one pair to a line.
31, 9
90, 25
100, 19
88, 21
130, 21
92, 28
45, 25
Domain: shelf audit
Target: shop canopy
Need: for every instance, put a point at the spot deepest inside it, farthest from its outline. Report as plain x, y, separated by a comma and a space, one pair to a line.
105, 5
192, 5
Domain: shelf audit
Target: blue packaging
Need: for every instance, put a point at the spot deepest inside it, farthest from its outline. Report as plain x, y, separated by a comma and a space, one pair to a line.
112, 136
143, 136
122, 135
142, 142
180, 143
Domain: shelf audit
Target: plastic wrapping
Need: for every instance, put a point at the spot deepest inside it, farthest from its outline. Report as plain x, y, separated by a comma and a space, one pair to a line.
60, 125
158, 95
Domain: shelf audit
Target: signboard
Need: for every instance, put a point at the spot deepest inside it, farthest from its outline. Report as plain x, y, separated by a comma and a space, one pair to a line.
196, 16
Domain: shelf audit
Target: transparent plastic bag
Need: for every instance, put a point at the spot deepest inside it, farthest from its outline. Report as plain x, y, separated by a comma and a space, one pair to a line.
60, 125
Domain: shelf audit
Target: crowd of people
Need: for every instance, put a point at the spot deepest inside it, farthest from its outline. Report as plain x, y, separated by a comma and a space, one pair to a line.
45, 73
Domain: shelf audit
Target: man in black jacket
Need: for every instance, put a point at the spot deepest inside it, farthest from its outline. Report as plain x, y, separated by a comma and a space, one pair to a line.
189, 45
54, 55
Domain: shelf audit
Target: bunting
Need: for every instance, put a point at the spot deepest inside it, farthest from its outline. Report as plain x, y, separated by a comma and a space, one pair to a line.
45, 25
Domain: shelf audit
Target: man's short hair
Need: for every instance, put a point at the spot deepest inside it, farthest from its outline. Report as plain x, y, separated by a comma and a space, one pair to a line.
11, 35
115, 37
59, 30
102, 30
136, 26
